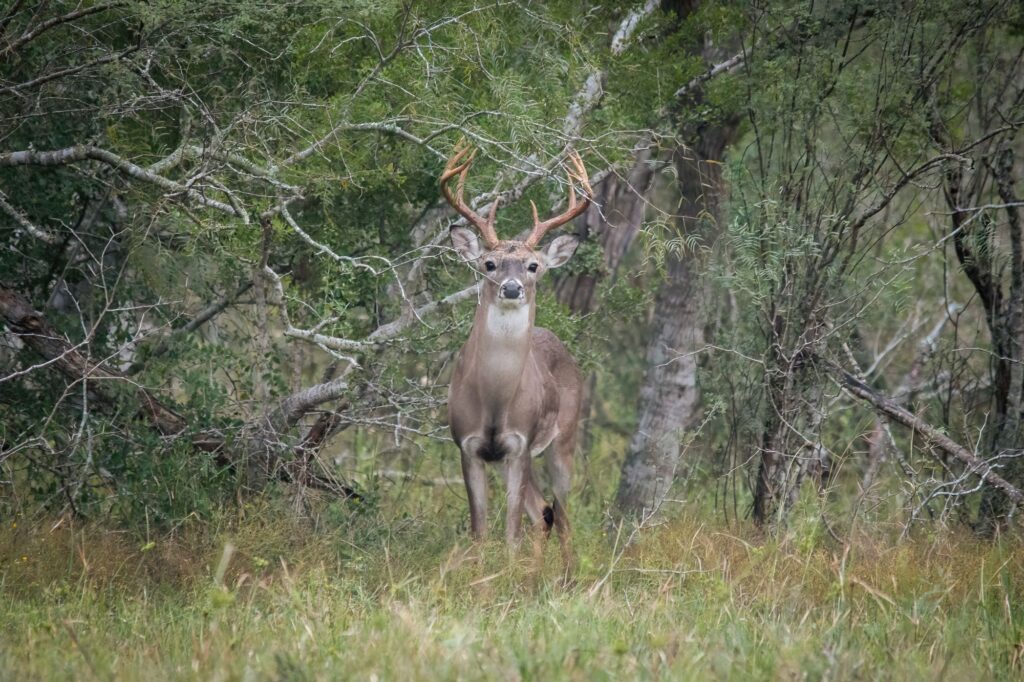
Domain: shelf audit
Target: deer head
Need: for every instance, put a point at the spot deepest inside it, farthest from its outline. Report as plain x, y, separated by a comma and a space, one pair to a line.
511, 268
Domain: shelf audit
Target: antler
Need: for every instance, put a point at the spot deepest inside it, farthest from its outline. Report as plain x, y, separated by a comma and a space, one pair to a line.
575, 208
459, 165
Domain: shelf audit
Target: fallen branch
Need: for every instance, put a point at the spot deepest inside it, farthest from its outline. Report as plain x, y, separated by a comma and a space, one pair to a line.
890, 408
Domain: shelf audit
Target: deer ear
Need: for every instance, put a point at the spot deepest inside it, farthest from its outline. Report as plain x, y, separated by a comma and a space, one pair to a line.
561, 250
465, 243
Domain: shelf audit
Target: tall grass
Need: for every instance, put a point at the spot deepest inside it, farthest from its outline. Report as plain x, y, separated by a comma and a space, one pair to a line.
257, 594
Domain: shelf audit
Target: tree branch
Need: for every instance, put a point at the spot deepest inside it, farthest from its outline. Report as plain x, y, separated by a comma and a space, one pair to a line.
70, 71
36, 333
15, 8
890, 408
396, 327
215, 308
887, 198
34, 33
25, 223
729, 65
68, 155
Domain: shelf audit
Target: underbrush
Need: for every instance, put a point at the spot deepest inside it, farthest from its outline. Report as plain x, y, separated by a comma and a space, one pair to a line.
258, 594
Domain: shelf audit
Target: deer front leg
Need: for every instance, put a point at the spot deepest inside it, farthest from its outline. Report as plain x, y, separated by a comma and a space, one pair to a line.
517, 478
476, 490
523, 495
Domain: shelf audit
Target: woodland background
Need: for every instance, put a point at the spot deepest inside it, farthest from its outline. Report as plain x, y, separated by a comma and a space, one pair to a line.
230, 307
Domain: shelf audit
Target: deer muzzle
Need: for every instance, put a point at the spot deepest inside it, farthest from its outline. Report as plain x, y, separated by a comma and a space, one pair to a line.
511, 289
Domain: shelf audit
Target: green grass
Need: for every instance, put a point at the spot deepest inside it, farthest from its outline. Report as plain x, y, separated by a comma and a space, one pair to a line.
259, 595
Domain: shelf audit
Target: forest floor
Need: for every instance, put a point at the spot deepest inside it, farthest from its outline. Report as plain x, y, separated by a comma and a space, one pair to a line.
256, 594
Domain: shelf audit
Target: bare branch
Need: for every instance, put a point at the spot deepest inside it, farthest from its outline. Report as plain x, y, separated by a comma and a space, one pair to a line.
60, 157
237, 160
41, 28
628, 26
890, 408
887, 198
728, 66
322, 248
290, 410
396, 327
215, 308
25, 223
383, 333
30, 326
70, 71
11, 13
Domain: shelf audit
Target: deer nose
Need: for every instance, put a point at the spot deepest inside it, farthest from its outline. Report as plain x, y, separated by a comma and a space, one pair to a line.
511, 289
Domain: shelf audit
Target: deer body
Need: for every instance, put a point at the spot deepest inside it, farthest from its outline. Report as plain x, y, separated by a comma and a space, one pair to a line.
515, 394
516, 390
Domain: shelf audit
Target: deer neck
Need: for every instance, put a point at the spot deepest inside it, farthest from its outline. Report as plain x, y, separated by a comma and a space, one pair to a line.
500, 345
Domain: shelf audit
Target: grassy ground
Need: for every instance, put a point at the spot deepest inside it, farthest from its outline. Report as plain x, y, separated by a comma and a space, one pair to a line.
258, 596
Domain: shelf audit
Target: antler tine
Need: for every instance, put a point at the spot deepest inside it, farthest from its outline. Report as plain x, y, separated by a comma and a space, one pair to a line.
581, 173
575, 207
456, 166
453, 167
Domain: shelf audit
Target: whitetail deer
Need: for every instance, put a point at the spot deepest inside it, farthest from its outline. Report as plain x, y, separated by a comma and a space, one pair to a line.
516, 390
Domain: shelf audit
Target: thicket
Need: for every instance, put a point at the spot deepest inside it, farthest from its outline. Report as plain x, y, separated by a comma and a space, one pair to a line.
226, 269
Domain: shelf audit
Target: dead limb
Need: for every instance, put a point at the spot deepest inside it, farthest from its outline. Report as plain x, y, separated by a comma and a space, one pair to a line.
67, 358
888, 407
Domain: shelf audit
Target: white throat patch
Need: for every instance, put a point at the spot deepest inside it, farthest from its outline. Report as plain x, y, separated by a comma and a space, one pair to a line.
508, 321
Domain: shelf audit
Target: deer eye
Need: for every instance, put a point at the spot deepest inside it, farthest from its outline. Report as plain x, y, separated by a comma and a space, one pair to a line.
490, 266
532, 267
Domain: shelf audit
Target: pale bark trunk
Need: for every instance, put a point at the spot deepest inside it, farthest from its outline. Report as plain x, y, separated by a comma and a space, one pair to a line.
669, 401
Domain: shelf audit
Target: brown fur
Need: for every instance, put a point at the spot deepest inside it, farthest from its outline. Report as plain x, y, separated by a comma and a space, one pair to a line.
515, 392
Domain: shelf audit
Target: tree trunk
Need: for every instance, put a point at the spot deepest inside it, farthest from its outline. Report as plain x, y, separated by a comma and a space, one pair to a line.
1007, 326
613, 220
795, 400
669, 396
